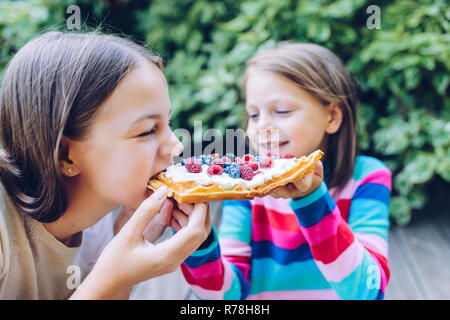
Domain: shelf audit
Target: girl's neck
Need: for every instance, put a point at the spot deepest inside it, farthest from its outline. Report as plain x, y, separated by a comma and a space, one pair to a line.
67, 233
83, 211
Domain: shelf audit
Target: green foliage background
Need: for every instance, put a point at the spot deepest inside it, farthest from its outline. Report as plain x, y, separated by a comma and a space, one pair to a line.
403, 68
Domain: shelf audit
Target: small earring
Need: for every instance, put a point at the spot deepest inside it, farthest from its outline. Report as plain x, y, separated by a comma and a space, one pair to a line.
69, 170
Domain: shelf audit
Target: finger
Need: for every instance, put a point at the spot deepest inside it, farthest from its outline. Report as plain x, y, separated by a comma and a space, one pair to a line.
208, 222
304, 184
146, 212
181, 218
175, 225
280, 192
166, 212
318, 169
186, 207
274, 193
185, 241
198, 215
290, 187
285, 194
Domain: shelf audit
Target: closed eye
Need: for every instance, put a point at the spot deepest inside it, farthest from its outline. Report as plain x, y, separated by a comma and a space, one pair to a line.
147, 133
283, 111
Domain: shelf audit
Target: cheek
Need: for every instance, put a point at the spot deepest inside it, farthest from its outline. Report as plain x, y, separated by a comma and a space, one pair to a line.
128, 164
309, 128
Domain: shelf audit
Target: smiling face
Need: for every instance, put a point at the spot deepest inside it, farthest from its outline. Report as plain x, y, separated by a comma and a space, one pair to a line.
129, 142
278, 108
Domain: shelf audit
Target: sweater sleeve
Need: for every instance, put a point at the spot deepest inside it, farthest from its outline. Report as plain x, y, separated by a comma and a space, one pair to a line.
221, 271
351, 255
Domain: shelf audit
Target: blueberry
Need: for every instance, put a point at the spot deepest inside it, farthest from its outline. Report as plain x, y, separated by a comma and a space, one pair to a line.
183, 162
226, 170
208, 160
234, 165
235, 173
258, 158
226, 164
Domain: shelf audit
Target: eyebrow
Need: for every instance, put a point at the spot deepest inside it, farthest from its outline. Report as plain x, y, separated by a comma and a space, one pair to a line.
150, 116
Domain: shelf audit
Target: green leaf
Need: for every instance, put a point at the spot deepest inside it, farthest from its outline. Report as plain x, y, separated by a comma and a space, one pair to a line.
440, 82
319, 31
400, 210
392, 139
443, 166
421, 168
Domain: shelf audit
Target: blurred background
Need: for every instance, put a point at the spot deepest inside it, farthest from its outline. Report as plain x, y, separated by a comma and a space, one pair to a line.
402, 66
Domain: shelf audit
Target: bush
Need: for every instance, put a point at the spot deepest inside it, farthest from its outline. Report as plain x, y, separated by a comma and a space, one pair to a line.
403, 68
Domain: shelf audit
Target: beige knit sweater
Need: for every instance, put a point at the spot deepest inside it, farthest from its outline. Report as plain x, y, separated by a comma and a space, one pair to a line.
34, 264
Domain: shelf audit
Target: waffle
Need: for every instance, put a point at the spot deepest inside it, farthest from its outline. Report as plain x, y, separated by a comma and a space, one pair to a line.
188, 187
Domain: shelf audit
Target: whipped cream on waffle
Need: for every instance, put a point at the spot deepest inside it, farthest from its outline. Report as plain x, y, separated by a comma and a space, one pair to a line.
178, 173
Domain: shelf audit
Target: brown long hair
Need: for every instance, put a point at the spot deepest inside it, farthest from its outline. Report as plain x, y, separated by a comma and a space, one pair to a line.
52, 87
321, 73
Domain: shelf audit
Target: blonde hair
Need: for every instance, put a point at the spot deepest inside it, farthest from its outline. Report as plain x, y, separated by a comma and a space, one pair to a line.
52, 87
321, 73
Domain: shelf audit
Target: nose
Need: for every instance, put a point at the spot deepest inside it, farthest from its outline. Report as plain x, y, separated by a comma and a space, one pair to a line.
265, 122
267, 129
172, 146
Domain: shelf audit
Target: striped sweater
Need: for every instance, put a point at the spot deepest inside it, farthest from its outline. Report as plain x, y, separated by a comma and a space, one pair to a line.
331, 244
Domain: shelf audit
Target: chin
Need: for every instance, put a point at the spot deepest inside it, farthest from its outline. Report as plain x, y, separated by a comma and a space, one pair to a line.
135, 200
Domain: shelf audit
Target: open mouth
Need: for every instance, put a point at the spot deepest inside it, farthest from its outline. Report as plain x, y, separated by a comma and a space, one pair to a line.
156, 174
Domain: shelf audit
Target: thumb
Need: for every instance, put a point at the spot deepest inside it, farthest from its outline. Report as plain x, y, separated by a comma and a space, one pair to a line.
199, 214
318, 169
146, 212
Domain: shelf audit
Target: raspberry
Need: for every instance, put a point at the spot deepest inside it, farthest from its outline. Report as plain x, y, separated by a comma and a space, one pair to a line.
190, 162
254, 165
287, 156
266, 162
214, 170
246, 172
239, 161
218, 162
226, 160
194, 168
249, 158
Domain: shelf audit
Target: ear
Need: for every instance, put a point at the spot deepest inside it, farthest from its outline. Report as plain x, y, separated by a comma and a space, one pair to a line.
335, 117
67, 163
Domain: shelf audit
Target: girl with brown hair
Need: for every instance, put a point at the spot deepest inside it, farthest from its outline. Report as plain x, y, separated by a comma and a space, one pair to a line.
84, 124
324, 236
